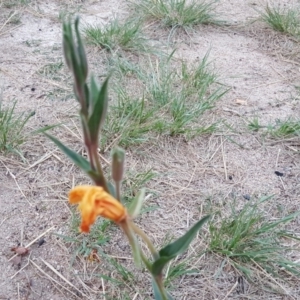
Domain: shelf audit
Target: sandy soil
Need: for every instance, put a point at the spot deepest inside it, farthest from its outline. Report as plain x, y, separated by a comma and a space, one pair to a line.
259, 66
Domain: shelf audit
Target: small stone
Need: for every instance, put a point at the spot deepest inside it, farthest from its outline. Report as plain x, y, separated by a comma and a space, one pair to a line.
247, 197
41, 242
278, 173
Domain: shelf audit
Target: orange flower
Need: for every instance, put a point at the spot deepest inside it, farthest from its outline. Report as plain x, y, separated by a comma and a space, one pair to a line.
94, 201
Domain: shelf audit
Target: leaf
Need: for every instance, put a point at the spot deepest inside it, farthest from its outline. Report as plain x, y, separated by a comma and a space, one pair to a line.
67, 41
81, 51
45, 128
78, 160
159, 264
99, 108
136, 204
74, 58
180, 245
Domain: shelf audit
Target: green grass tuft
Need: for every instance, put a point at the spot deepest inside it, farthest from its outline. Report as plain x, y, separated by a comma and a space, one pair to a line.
281, 129
178, 13
52, 70
115, 35
287, 128
254, 125
169, 99
84, 245
11, 129
282, 20
248, 238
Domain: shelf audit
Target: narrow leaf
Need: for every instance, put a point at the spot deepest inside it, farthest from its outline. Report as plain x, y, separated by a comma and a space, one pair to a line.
99, 109
78, 160
180, 245
67, 33
94, 92
81, 51
45, 128
74, 59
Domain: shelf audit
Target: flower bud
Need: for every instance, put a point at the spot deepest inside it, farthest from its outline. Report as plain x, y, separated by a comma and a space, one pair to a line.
118, 160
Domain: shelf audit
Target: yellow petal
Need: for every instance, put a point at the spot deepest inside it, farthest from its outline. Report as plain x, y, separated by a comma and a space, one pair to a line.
94, 201
77, 193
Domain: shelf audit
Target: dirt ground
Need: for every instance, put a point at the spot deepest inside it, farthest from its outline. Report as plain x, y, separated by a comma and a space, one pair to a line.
261, 68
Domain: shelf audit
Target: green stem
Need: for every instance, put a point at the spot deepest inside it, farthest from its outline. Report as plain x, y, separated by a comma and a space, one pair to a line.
92, 150
145, 261
143, 235
102, 181
160, 284
79, 91
158, 279
87, 144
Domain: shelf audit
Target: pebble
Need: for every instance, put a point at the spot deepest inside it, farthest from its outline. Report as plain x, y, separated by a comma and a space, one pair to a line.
247, 197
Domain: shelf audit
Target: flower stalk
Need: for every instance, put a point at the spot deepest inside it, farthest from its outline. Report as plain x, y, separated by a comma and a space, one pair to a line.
145, 238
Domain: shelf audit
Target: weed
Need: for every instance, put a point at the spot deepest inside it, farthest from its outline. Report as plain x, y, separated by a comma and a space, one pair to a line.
125, 274
183, 96
33, 43
115, 35
135, 181
129, 122
91, 247
60, 94
52, 70
178, 270
247, 237
11, 128
167, 100
287, 128
282, 20
123, 67
178, 13
85, 245
254, 125
281, 129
